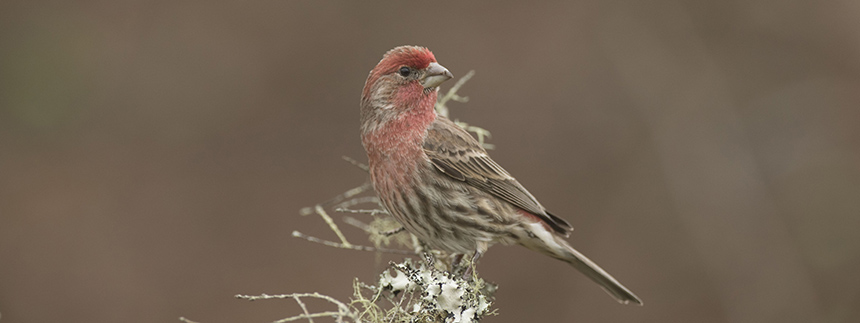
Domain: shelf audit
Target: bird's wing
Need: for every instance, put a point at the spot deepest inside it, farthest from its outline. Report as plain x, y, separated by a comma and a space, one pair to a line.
457, 154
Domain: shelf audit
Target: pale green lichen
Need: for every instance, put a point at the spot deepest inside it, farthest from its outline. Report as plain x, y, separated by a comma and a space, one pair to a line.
420, 293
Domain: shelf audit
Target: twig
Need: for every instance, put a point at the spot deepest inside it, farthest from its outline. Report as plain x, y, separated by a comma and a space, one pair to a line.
343, 309
356, 163
351, 246
393, 232
441, 108
356, 223
480, 132
309, 316
304, 309
361, 200
366, 227
361, 211
339, 198
285, 296
319, 210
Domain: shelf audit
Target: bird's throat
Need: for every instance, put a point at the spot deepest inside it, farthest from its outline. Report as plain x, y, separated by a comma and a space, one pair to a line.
396, 146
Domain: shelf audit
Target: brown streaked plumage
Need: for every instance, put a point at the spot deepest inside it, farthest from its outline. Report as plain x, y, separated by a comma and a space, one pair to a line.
438, 181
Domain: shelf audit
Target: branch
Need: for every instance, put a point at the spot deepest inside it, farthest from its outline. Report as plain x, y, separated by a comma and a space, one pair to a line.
350, 246
441, 108
343, 309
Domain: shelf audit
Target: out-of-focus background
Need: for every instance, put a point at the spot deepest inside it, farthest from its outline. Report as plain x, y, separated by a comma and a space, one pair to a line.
154, 154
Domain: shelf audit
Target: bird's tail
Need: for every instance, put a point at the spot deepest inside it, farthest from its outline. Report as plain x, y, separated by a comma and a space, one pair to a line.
542, 240
598, 275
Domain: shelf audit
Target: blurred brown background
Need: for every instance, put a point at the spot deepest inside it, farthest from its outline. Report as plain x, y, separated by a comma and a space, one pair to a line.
154, 154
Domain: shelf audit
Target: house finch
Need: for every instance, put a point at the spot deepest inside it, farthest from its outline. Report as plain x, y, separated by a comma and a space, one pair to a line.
438, 181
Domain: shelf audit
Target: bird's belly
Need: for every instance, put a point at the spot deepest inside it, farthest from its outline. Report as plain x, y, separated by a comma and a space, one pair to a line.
445, 216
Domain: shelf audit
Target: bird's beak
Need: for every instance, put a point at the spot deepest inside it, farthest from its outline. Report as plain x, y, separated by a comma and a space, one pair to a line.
434, 75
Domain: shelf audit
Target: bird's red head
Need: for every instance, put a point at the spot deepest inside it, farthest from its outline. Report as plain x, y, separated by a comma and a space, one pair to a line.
403, 86
415, 57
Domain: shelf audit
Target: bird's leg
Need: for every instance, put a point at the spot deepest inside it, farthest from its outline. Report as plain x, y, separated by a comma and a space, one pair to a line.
392, 232
471, 265
457, 263
479, 251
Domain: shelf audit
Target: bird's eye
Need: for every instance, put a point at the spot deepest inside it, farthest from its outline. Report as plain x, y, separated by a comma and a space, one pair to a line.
405, 71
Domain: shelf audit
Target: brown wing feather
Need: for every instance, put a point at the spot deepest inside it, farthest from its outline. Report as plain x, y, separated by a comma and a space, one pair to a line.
455, 153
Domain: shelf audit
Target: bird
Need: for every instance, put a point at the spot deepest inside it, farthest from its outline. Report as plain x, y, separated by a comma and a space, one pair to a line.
439, 182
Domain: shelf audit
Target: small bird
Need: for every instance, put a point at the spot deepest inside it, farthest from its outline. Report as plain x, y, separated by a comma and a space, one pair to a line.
440, 184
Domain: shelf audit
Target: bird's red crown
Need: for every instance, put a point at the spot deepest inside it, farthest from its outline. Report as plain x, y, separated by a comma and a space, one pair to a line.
412, 56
